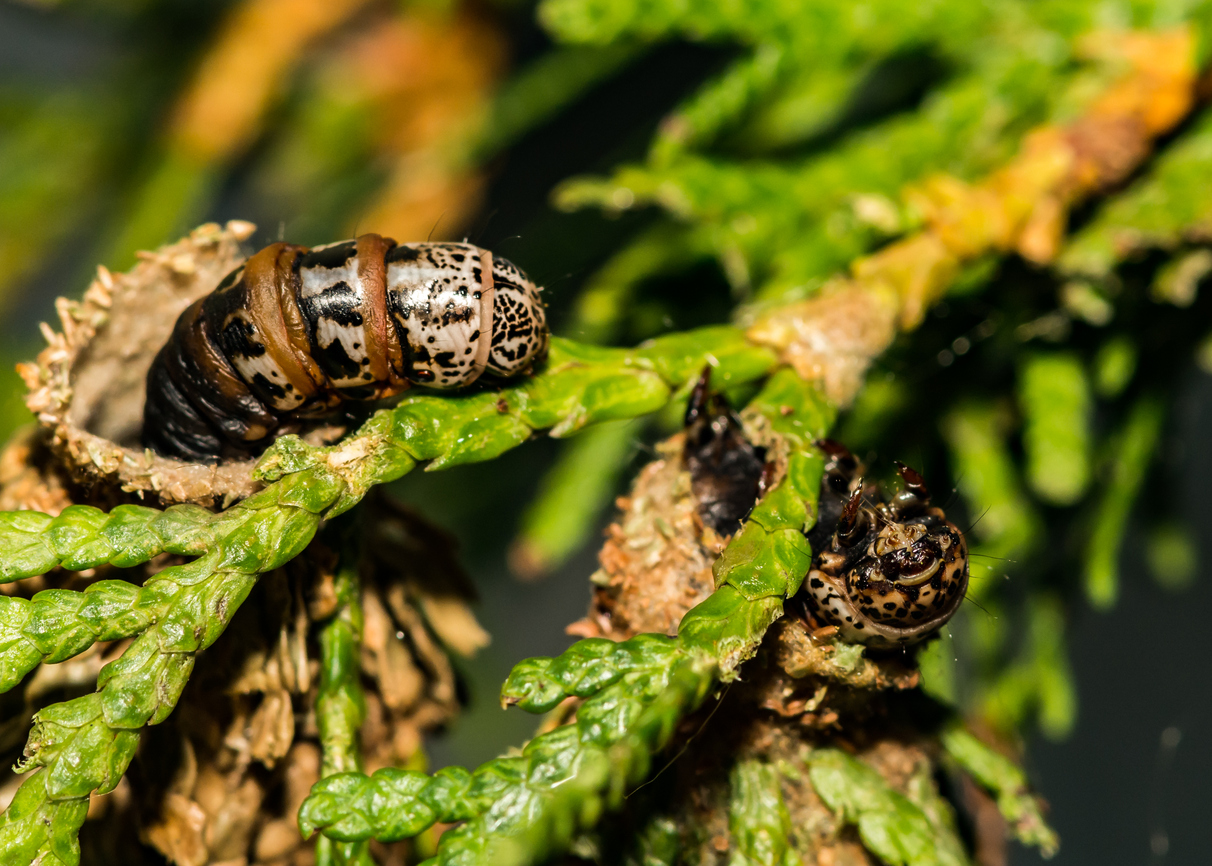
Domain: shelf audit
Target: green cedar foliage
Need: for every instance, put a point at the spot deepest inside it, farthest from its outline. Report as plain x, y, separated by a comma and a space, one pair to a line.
1037, 399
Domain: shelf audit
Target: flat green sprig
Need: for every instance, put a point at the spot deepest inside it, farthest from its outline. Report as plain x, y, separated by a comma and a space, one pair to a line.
85, 745
340, 699
524, 808
898, 830
758, 819
1008, 783
579, 385
521, 809
258, 535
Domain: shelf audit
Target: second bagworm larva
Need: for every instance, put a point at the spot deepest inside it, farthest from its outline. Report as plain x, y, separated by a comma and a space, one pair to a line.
293, 332
886, 571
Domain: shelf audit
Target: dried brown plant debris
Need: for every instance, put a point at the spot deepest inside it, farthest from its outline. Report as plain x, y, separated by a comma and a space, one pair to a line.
656, 562
87, 387
802, 653
224, 777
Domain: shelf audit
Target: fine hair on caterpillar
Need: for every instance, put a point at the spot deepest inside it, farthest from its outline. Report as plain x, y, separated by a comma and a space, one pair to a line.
295, 332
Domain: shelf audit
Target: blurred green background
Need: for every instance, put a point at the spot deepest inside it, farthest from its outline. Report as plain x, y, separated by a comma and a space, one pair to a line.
723, 157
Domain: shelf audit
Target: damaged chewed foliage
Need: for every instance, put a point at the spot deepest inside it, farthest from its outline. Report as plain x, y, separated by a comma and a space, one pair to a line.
886, 571
727, 471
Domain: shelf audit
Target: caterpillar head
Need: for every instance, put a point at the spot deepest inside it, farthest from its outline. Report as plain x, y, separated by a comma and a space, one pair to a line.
519, 321
886, 572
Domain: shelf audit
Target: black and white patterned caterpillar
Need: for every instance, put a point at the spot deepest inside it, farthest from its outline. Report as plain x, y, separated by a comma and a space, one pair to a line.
294, 331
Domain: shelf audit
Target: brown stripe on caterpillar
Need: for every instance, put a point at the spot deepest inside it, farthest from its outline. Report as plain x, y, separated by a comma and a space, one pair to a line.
386, 359
488, 294
294, 332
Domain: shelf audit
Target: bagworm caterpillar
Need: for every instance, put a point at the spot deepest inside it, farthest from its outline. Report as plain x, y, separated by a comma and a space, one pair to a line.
294, 332
886, 571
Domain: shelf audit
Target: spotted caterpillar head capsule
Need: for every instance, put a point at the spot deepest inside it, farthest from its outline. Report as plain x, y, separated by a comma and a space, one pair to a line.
294, 331
884, 573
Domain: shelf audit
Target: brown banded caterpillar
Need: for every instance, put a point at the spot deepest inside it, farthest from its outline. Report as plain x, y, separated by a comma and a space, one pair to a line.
294, 332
